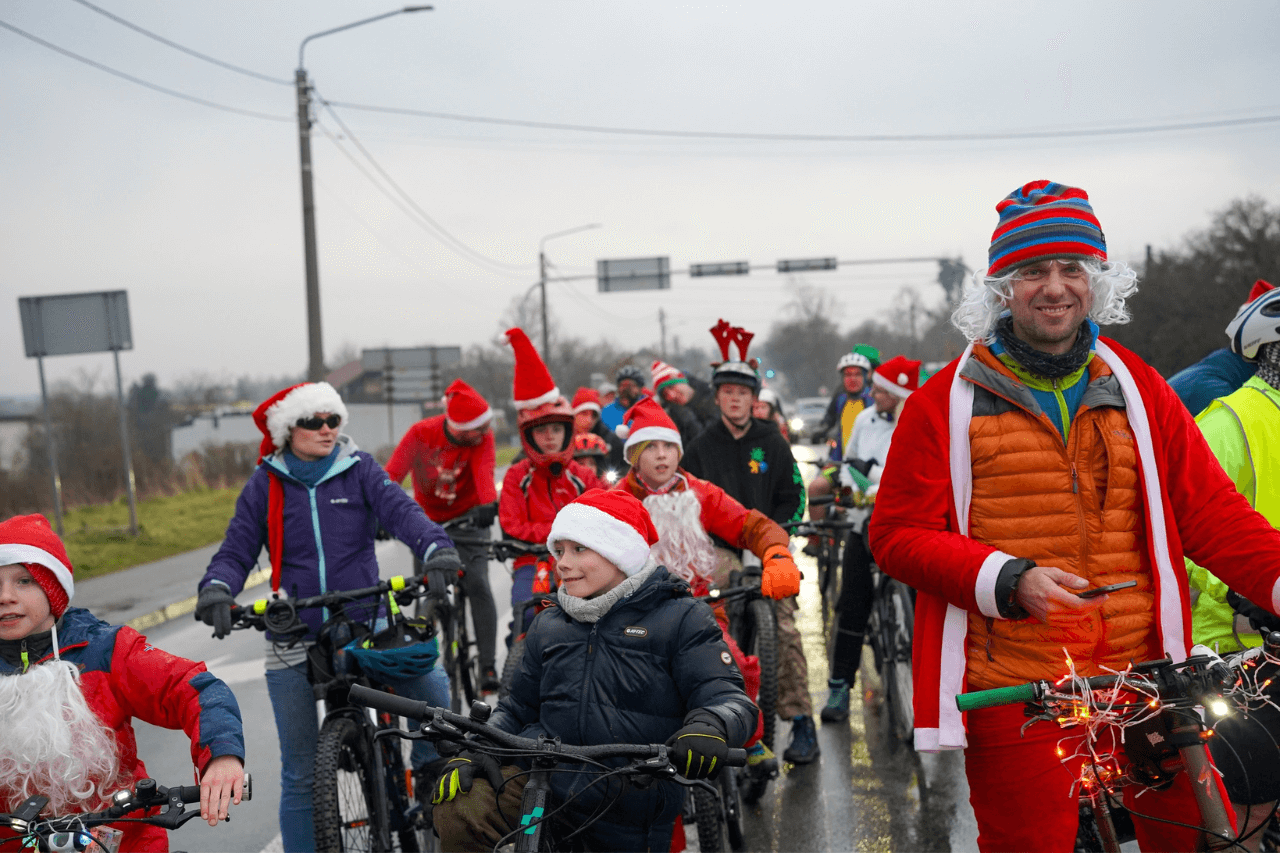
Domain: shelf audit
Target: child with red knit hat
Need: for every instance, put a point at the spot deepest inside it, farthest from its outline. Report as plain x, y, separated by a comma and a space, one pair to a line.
658, 671
538, 486
70, 685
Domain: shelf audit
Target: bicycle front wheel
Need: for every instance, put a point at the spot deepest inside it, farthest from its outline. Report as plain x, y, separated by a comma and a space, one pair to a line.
706, 815
343, 799
897, 661
760, 638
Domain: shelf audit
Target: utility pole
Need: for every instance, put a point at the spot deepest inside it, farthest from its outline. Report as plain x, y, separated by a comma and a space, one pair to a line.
315, 346
662, 324
542, 284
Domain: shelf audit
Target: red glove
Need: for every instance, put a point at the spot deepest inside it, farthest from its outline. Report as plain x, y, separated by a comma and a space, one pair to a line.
781, 577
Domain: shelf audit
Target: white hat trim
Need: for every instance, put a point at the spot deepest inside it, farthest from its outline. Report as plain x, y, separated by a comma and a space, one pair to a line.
303, 402
610, 537
586, 407
16, 553
884, 383
549, 397
474, 423
653, 433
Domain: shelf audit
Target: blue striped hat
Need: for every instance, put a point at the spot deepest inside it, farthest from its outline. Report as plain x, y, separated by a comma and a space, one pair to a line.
1042, 220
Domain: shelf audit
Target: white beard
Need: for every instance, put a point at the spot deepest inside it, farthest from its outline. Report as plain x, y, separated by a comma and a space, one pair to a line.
683, 546
51, 742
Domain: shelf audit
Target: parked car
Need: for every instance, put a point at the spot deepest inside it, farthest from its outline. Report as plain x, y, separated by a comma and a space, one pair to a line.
805, 417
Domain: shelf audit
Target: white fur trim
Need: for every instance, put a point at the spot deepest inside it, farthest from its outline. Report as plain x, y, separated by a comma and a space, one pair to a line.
533, 403
896, 390
1275, 598
653, 433
474, 423
1168, 592
16, 553
302, 402
955, 630
985, 588
586, 407
610, 537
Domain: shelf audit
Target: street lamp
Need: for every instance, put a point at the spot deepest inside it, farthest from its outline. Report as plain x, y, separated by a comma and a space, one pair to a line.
542, 276
315, 363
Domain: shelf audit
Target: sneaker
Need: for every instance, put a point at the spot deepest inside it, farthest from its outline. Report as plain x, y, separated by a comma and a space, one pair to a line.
761, 761
837, 710
489, 682
803, 748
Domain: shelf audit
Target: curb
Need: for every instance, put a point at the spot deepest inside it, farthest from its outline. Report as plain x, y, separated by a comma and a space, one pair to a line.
187, 605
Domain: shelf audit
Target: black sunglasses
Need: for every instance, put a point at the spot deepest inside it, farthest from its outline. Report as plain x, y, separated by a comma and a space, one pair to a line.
315, 422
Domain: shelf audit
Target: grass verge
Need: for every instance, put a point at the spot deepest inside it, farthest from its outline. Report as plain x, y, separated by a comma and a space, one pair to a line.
504, 455
98, 540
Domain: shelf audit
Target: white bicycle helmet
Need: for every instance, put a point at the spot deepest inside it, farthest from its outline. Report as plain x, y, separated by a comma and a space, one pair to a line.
854, 359
1257, 323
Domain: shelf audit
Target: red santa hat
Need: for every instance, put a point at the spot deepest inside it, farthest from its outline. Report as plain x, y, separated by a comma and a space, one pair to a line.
899, 376
664, 375
612, 523
532, 385
464, 408
586, 400
646, 421
30, 541
281, 411
1259, 287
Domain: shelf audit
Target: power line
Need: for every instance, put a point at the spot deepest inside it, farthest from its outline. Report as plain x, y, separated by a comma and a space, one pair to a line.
139, 81
173, 44
833, 137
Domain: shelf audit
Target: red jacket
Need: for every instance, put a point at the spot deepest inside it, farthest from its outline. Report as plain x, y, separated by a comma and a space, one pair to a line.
531, 497
448, 479
918, 530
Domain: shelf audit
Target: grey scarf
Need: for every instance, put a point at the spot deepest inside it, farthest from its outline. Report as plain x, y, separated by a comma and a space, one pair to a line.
1269, 364
591, 610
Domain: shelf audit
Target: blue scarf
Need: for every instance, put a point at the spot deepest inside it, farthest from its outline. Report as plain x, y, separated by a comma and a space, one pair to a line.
309, 473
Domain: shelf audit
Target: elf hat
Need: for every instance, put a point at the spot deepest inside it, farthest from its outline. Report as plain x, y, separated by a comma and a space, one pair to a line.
899, 376
1043, 220
586, 400
464, 408
612, 523
664, 375
30, 541
281, 411
646, 421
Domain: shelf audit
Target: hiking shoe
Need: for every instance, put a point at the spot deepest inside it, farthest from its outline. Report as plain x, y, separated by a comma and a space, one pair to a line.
837, 710
803, 748
761, 762
489, 682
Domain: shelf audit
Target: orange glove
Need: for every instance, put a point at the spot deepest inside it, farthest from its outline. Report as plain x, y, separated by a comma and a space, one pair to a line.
781, 577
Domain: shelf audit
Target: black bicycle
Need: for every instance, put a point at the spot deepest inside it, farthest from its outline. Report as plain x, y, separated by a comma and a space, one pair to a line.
538, 828
363, 797
89, 831
889, 633
832, 532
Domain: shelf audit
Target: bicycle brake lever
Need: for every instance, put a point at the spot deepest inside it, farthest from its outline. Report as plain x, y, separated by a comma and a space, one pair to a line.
400, 733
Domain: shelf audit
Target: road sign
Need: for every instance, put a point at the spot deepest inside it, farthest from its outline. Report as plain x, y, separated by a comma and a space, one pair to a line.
633, 274
807, 264
73, 323
726, 268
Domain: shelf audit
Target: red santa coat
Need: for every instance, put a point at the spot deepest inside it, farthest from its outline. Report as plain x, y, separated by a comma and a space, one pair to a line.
448, 479
918, 530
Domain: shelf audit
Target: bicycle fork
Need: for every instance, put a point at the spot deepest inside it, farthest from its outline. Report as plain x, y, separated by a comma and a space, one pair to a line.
533, 806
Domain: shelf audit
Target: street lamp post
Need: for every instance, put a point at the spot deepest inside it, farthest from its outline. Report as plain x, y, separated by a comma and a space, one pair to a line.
315, 347
542, 276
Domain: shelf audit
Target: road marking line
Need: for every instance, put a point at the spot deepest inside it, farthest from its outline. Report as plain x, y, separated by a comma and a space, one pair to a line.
187, 605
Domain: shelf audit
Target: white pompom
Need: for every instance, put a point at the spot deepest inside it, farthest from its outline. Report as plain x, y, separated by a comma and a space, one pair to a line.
622, 431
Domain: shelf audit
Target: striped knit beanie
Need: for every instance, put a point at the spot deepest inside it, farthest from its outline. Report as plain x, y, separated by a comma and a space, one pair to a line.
664, 375
1044, 220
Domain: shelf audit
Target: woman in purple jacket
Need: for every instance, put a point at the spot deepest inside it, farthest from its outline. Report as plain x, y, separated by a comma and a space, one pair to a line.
315, 502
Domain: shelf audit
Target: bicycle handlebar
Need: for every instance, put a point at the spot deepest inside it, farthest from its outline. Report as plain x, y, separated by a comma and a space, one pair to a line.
999, 696
283, 611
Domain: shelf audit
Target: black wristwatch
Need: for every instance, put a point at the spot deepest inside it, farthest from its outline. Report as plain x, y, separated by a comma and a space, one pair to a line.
1007, 588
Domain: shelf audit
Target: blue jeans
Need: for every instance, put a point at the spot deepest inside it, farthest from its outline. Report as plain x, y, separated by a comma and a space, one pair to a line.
294, 706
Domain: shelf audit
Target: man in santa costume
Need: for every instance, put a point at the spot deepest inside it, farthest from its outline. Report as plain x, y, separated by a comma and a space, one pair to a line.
547, 479
1044, 461
451, 457
70, 686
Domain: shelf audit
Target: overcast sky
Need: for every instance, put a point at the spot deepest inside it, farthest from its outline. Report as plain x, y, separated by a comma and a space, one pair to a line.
196, 212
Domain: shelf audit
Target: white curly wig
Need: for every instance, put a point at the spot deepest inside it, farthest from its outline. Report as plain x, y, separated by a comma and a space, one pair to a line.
985, 299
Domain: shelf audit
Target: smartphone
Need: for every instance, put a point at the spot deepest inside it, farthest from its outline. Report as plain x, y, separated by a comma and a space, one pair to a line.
1103, 590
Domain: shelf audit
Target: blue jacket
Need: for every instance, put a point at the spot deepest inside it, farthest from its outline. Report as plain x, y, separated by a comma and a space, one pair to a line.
629, 678
1216, 375
329, 529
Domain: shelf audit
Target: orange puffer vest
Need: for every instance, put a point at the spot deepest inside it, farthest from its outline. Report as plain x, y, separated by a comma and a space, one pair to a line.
1076, 506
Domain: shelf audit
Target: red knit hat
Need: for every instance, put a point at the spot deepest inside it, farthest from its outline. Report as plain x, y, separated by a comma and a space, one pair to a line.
29, 540
647, 421
586, 400
464, 407
612, 523
279, 412
664, 375
899, 375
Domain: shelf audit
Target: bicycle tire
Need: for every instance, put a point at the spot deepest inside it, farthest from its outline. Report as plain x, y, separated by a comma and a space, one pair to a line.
731, 799
464, 670
514, 655
707, 821
899, 688
405, 815
760, 638
347, 816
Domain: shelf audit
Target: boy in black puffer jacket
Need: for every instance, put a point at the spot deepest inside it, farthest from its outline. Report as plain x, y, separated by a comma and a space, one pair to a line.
625, 656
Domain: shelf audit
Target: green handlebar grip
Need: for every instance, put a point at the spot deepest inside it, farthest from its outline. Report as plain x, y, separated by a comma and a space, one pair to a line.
998, 696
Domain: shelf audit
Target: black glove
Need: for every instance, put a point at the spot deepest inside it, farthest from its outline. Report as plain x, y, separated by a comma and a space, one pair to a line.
382, 535
1257, 616
441, 569
213, 607
700, 748
461, 771
863, 466
485, 514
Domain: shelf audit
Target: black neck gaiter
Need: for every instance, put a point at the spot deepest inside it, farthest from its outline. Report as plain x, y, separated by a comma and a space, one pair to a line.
1043, 363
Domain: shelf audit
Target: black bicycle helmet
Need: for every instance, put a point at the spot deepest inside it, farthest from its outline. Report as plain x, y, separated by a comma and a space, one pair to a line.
630, 371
